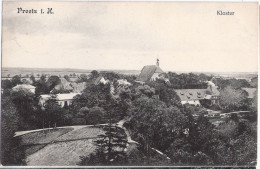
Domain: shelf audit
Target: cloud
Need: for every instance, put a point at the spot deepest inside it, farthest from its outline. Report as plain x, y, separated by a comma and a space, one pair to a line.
128, 35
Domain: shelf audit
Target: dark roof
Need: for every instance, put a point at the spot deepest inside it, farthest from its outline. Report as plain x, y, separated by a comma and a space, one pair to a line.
214, 90
97, 81
251, 92
147, 72
191, 94
64, 84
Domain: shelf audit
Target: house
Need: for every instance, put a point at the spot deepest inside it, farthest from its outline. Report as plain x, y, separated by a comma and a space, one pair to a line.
62, 99
193, 96
64, 85
101, 79
210, 83
151, 73
24, 86
123, 82
213, 94
251, 92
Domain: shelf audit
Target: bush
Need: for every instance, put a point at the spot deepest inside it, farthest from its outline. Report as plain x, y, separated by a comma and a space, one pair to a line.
78, 121
95, 116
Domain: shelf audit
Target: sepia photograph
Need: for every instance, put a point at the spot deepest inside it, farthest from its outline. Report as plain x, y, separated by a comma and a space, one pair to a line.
129, 84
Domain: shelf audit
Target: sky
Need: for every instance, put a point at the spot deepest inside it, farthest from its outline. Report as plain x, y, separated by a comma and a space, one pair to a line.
129, 35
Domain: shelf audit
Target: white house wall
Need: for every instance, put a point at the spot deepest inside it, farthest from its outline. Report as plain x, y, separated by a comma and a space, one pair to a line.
155, 76
193, 102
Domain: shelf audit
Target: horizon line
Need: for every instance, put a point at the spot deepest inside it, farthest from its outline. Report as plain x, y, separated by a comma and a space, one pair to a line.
100, 69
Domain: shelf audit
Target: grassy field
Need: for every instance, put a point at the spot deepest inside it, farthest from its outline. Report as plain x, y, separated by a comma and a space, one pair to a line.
66, 146
42, 137
81, 133
61, 154
59, 147
32, 149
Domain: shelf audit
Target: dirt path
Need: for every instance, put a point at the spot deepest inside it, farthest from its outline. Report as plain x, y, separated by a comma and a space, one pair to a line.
129, 139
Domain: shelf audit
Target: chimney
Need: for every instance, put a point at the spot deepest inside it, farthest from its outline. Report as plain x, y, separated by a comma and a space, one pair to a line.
157, 62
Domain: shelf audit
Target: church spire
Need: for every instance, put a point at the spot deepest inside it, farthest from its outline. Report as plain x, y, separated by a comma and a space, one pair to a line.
157, 62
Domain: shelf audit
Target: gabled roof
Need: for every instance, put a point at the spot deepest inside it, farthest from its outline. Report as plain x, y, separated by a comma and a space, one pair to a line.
214, 90
147, 72
251, 92
101, 79
191, 94
64, 84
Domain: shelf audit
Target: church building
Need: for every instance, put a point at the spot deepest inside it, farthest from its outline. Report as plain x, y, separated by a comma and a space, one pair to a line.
151, 73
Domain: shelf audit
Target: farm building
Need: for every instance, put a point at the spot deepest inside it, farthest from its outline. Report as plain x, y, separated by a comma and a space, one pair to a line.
251, 92
193, 96
64, 85
62, 99
101, 79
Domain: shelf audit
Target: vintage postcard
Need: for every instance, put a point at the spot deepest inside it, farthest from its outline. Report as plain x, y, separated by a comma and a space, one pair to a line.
129, 83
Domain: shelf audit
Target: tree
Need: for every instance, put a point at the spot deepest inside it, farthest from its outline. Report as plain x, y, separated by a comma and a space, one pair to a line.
111, 145
94, 74
166, 93
94, 115
96, 95
188, 81
16, 80
83, 78
233, 99
6, 84
10, 118
41, 86
234, 83
151, 120
53, 113
32, 78
26, 106
144, 91
52, 82
254, 105
254, 82
25, 81
83, 112
67, 77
